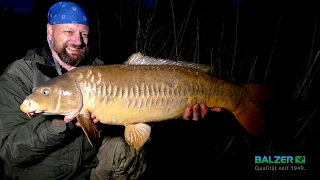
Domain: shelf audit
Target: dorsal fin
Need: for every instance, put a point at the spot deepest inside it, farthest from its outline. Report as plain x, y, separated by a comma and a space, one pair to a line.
139, 59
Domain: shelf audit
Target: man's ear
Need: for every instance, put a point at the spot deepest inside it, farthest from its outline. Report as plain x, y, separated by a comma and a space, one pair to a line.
49, 31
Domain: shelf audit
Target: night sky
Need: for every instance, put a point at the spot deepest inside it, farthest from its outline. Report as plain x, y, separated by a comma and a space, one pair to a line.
21, 7
280, 39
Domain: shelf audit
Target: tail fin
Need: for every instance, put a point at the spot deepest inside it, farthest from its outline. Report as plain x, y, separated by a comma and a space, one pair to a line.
252, 117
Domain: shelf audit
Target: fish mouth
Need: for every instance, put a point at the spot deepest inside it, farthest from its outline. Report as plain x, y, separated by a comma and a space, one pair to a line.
31, 113
28, 112
25, 107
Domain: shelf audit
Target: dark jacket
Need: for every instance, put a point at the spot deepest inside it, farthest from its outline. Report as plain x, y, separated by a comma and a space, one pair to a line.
43, 147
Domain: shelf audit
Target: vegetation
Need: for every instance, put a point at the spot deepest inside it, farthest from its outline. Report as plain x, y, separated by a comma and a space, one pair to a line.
245, 49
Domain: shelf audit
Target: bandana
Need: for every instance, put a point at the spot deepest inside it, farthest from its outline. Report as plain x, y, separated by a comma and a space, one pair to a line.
67, 13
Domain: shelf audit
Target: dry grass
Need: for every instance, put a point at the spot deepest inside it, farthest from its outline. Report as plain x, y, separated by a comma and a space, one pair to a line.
161, 34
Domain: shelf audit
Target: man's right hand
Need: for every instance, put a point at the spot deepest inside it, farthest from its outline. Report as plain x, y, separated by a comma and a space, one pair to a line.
93, 118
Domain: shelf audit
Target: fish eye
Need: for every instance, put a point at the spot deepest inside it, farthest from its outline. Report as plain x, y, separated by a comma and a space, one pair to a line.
45, 92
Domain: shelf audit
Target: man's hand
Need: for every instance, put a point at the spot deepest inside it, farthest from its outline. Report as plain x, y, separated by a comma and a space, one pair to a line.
93, 118
198, 111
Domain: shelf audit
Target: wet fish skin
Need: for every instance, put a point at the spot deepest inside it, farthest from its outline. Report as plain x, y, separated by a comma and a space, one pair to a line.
133, 95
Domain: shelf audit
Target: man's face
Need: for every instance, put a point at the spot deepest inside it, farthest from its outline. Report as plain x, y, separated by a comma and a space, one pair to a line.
70, 42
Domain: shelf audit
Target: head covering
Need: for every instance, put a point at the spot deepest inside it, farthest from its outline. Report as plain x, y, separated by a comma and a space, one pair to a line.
67, 13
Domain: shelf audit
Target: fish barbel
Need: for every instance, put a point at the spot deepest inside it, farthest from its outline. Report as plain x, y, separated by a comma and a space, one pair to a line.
133, 95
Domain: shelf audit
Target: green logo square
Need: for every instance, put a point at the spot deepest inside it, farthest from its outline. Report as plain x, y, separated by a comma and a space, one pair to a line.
300, 159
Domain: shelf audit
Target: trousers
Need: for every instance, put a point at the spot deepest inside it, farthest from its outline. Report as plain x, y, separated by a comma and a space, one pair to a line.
118, 160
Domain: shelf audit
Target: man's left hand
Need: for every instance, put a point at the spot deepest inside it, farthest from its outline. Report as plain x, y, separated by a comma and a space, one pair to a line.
198, 111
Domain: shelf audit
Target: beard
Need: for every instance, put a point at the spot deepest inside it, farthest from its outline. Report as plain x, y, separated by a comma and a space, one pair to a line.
71, 59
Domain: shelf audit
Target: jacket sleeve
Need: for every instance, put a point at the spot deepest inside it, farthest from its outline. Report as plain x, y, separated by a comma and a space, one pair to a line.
25, 140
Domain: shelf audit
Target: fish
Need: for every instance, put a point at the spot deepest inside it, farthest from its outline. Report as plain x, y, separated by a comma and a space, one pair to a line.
133, 95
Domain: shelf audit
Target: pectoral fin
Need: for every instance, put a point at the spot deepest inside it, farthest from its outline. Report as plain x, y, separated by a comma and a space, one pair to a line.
90, 129
137, 134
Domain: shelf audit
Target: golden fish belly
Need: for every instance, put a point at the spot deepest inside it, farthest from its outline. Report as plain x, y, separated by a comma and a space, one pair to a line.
124, 95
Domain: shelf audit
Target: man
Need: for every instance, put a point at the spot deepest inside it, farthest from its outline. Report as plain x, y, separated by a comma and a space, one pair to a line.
54, 147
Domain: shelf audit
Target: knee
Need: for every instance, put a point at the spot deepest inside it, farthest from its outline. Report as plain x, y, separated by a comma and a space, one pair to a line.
119, 160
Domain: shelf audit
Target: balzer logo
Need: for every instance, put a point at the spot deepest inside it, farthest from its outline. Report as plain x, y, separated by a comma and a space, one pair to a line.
300, 159
280, 159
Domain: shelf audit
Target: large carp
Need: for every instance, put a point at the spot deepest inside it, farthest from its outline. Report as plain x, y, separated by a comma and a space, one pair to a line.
133, 95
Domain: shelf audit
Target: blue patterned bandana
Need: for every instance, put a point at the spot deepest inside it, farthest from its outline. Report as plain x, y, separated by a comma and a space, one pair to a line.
67, 13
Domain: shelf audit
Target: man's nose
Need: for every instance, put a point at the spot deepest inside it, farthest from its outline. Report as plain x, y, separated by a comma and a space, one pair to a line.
77, 39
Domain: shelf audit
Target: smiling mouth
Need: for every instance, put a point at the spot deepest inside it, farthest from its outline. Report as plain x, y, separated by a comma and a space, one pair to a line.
73, 49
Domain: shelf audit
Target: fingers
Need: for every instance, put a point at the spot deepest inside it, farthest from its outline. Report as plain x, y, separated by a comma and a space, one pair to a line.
187, 114
77, 124
94, 118
216, 109
67, 120
204, 110
196, 112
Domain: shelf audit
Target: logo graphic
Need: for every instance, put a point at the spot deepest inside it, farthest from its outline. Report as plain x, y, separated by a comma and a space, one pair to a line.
300, 159
280, 159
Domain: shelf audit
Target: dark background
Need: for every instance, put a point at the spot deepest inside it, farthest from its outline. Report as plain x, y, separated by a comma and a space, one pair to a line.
274, 42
